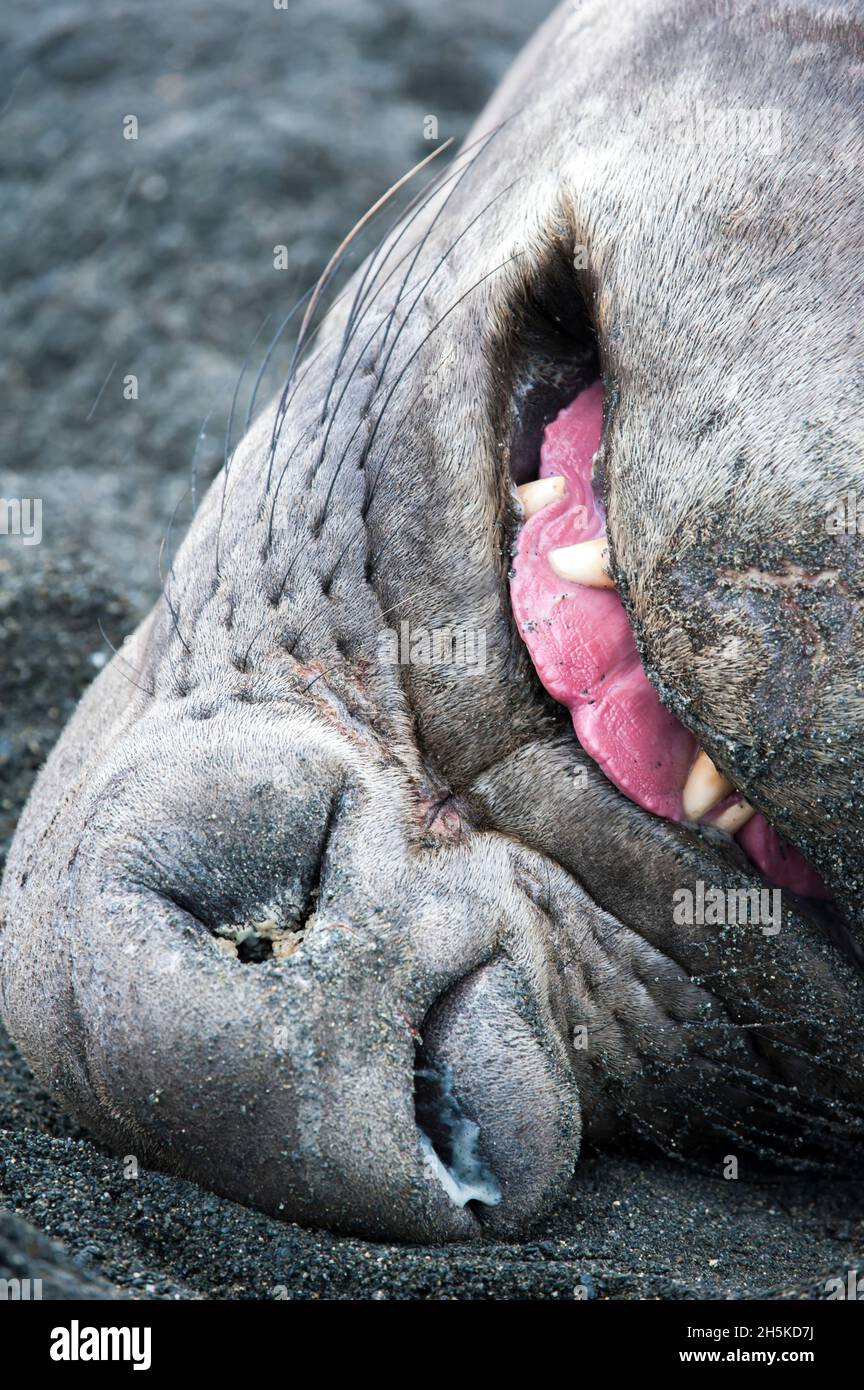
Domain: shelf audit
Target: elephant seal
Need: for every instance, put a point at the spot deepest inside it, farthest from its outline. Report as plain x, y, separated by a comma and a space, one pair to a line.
371, 940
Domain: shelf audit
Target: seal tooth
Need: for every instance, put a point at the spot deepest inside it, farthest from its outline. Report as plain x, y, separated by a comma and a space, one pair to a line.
584, 563
537, 495
705, 786
734, 817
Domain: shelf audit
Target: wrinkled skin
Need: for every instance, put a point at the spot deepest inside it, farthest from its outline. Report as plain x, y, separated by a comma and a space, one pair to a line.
253, 753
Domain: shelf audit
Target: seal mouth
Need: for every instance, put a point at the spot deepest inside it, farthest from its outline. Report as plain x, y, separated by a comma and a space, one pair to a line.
583, 648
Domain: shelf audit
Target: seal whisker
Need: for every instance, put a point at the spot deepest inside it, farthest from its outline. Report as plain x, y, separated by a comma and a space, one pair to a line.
284, 404
284, 401
323, 280
164, 547
322, 514
376, 207
417, 350
435, 186
437, 267
301, 439
229, 425
175, 615
335, 260
148, 690
387, 322
435, 220
269, 353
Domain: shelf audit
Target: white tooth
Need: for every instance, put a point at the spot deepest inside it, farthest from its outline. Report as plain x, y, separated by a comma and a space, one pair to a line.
537, 495
734, 817
704, 787
584, 563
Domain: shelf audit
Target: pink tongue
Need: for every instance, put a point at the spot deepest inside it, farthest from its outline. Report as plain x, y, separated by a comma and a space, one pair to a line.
582, 646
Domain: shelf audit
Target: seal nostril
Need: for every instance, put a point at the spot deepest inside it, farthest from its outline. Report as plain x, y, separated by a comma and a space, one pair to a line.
258, 898
450, 1141
263, 939
496, 1097
269, 934
477, 1209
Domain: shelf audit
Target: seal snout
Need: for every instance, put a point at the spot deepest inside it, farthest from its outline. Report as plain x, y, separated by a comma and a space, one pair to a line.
272, 995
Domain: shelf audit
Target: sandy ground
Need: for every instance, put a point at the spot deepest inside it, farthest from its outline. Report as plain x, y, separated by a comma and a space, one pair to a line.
153, 258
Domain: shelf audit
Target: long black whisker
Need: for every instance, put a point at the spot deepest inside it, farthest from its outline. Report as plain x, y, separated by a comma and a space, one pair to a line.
281, 408
175, 616
422, 290
301, 439
166, 546
268, 354
415, 207
146, 689
388, 321
358, 227
286, 404
287, 575
327, 274
414, 355
245, 662
468, 169
229, 426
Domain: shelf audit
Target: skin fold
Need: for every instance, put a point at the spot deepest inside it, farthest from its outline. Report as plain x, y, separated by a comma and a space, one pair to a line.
465, 890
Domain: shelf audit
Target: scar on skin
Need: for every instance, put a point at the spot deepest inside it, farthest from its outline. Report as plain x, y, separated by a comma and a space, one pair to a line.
790, 577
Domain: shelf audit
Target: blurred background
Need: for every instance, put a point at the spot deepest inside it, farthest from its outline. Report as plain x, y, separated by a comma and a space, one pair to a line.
153, 257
